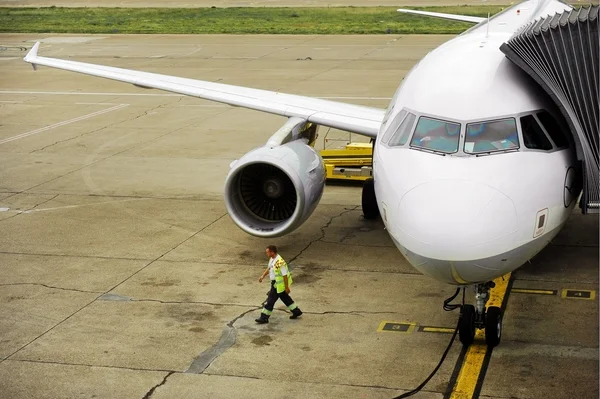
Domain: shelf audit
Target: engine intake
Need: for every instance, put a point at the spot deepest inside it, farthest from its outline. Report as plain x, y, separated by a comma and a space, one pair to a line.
271, 191
267, 192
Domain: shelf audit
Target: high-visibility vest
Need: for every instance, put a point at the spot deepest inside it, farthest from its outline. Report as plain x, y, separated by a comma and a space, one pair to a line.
279, 283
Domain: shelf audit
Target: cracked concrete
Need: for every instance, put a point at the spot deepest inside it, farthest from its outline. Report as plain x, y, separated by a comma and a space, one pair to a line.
227, 340
149, 394
131, 274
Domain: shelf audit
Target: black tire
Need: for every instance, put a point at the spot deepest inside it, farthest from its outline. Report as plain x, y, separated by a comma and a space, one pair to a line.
493, 326
466, 325
369, 201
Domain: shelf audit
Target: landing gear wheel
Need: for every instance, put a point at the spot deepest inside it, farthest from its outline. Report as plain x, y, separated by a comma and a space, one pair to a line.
466, 325
493, 326
369, 202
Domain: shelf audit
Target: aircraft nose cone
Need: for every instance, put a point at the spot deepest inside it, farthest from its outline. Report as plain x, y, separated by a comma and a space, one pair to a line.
454, 219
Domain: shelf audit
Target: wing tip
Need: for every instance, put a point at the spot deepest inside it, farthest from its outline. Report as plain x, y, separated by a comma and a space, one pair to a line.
32, 55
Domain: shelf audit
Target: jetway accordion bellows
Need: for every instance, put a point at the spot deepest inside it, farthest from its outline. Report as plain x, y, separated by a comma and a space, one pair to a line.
560, 53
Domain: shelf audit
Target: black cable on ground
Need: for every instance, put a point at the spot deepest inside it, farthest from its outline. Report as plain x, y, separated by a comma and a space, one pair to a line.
447, 307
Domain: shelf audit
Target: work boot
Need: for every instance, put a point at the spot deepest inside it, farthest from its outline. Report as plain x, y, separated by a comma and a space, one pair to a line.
262, 319
296, 313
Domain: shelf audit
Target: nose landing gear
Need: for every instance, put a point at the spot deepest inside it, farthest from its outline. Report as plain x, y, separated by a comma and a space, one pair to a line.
369, 201
477, 317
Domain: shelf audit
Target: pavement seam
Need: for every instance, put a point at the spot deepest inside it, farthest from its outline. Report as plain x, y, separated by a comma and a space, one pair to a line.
80, 135
29, 209
109, 156
74, 256
52, 328
169, 251
229, 335
90, 365
99, 296
322, 383
52, 287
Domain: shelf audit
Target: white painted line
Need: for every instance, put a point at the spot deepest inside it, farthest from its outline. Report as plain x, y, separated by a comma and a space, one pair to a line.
12, 102
355, 98
205, 105
95, 103
71, 93
43, 129
71, 206
82, 205
192, 52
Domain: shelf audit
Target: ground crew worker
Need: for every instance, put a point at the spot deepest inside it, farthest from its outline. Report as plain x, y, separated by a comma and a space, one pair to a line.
281, 280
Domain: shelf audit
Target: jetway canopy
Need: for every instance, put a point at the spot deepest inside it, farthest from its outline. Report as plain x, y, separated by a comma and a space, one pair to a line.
560, 52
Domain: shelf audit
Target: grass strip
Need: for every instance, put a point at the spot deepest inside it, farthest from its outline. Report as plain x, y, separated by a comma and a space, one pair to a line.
324, 21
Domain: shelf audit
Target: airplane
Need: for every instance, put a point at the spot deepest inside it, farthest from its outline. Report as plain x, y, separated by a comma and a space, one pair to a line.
474, 171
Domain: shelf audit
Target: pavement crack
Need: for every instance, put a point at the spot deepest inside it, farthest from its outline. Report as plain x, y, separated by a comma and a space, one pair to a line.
72, 138
189, 302
227, 340
351, 312
323, 228
51, 287
89, 365
163, 382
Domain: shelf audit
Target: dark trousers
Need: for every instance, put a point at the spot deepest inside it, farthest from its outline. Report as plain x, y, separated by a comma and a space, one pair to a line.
273, 296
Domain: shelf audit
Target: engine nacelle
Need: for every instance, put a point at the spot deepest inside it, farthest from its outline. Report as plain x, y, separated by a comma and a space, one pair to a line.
271, 191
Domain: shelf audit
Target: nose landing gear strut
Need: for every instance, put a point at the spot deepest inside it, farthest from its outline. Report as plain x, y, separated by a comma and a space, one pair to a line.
477, 317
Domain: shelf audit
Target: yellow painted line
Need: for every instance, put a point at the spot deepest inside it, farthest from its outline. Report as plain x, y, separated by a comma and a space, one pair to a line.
530, 291
438, 329
466, 382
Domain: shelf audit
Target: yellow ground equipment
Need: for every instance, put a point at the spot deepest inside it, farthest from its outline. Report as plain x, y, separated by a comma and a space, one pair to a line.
354, 161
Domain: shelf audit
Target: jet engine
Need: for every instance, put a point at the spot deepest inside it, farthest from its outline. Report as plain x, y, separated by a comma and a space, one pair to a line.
273, 189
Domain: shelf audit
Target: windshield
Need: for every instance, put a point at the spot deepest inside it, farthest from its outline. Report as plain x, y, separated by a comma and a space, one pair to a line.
533, 135
491, 136
403, 132
436, 135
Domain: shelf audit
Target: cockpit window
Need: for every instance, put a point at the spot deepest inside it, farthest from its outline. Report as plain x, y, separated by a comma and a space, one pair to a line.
436, 135
491, 136
553, 129
403, 132
533, 135
393, 126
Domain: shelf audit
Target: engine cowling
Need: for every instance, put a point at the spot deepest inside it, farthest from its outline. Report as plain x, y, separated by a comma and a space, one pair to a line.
271, 191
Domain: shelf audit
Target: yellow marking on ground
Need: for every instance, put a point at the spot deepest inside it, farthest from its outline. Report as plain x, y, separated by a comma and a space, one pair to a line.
530, 291
465, 385
396, 326
438, 329
577, 294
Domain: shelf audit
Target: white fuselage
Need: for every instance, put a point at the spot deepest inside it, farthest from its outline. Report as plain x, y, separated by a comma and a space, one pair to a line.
460, 215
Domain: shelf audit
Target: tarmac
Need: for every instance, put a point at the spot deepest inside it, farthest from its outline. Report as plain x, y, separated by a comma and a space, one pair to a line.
124, 277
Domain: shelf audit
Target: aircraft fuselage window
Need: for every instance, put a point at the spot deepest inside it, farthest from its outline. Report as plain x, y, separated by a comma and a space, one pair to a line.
553, 129
393, 126
401, 135
533, 135
491, 136
436, 135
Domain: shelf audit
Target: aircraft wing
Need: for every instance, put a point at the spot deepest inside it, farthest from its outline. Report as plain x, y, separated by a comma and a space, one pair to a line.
349, 117
464, 18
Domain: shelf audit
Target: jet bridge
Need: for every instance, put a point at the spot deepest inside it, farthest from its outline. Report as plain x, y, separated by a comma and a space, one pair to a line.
560, 53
